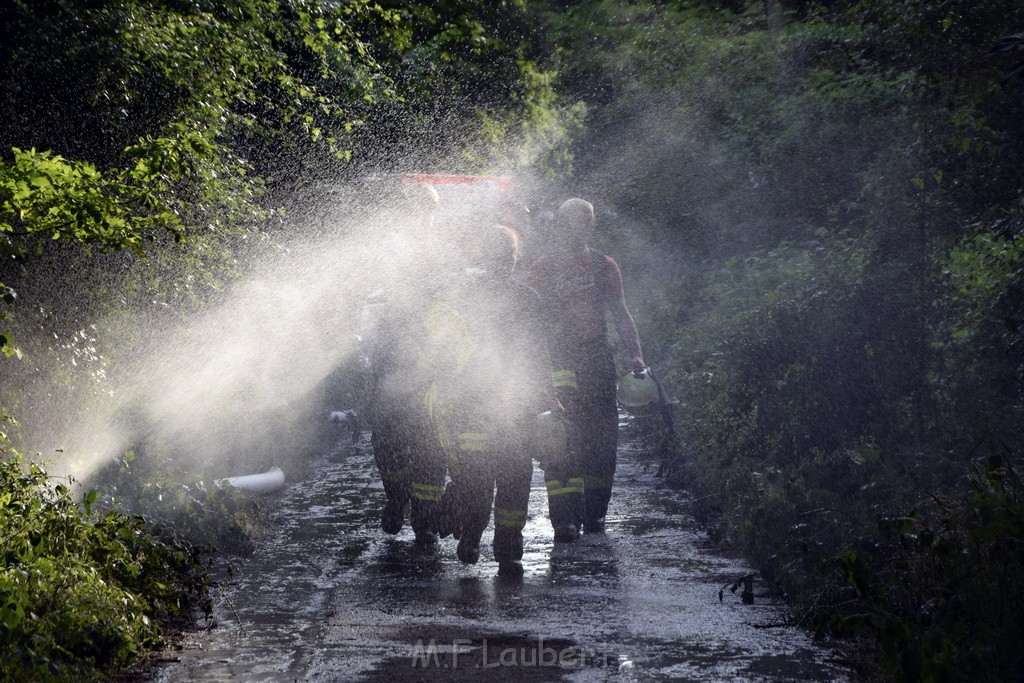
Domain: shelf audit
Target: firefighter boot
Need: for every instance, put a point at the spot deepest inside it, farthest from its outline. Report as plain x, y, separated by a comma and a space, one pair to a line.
598, 493
393, 515
508, 550
565, 507
468, 550
425, 503
473, 527
448, 523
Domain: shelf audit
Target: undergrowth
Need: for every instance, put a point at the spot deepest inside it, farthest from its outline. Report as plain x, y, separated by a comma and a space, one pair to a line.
931, 590
174, 499
82, 589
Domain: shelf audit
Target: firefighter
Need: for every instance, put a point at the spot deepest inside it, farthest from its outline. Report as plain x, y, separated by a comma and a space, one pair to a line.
490, 366
579, 286
412, 467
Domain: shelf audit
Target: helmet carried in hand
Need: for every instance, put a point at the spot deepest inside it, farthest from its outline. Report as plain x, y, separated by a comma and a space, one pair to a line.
638, 392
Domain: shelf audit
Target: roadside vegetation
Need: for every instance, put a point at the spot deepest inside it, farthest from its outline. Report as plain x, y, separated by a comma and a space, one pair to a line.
834, 189
83, 588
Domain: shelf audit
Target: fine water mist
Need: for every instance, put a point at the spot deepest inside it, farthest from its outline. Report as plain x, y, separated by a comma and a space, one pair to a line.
248, 382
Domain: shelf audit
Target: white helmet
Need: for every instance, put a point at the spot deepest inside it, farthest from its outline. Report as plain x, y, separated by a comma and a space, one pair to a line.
638, 392
549, 437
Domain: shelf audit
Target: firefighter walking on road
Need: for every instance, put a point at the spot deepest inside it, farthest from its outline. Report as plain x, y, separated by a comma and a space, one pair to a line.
490, 367
579, 288
411, 466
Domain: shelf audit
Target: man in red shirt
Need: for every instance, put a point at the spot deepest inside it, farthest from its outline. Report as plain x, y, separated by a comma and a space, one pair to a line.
579, 287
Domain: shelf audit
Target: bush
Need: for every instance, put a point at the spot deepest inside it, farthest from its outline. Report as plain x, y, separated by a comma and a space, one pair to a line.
936, 587
175, 499
81, 592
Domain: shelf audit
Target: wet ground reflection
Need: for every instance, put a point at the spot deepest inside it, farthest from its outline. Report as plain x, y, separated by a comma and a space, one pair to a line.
331, 598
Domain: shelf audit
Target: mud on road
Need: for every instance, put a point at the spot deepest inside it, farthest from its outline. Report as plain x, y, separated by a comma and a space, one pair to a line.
329, 597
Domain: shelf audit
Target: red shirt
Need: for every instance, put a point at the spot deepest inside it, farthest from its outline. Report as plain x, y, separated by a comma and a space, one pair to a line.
578, 289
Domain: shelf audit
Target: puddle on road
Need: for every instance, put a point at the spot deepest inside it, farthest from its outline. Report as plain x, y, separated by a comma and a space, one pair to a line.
330, 597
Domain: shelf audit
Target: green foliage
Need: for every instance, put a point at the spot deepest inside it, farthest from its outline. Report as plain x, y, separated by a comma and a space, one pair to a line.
187, 81
780, 343
46, 196
207, 67
477, 91
843, 181
961, 611
80, 590
175, 499
985, 272
756, 130
535, 135
181, 114
470, 48
150, 140
812, 423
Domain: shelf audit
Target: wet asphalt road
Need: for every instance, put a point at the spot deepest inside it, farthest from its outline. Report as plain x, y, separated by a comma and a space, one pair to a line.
329, 597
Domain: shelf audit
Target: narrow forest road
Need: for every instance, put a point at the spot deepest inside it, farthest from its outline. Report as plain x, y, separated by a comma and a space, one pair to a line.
331, 598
